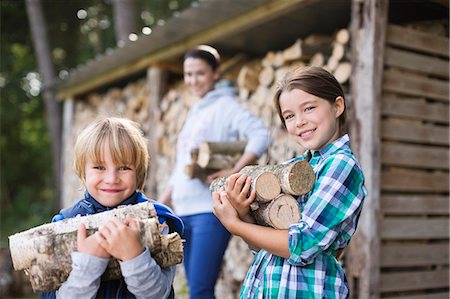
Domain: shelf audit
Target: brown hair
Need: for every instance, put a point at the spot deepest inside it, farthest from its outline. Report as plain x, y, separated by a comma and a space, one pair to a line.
122, 137
315, 81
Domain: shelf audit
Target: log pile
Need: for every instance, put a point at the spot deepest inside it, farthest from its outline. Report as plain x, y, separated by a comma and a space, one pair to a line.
275, 187
44, 252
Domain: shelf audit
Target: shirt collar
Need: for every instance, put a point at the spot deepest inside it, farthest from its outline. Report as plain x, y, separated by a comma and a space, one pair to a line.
98, 207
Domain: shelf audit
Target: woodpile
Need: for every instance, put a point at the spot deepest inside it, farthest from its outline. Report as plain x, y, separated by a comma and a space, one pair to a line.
44, 252
275, 187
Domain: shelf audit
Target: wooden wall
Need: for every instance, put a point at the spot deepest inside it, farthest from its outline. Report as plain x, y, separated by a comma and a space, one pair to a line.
414, 207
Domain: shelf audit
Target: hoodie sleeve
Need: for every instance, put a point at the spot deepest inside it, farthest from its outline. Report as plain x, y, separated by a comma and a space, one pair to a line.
250, 127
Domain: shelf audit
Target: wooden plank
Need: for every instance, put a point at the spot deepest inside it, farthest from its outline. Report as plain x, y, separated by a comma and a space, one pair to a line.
415, 204
412, 84
440, 295
399, 130
411, 255
409, 281
417, 40
414, 228
413, 181
414, 108
413, 155
416, 62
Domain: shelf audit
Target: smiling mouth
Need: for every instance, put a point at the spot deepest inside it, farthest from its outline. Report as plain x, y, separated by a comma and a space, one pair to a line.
307, 133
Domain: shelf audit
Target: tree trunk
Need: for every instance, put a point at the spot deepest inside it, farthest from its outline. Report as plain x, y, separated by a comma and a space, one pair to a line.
125, 19
41, 44
44, 252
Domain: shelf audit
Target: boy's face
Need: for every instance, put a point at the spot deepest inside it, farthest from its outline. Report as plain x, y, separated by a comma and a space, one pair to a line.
109, 183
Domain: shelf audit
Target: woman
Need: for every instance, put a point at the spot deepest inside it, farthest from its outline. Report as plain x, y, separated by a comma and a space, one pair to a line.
217, 117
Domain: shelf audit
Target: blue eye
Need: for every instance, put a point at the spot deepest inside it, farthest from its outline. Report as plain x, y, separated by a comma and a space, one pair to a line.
124, 168
309, 108
289, 116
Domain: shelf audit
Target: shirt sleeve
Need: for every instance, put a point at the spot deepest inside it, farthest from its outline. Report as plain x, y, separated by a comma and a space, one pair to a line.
145, 278
330, 214
84, 279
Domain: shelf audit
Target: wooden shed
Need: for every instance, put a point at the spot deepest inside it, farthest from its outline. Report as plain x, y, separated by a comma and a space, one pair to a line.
398, 92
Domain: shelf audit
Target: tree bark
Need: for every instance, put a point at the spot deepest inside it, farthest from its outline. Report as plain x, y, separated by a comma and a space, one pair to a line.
44, 252
125, 19
53, 117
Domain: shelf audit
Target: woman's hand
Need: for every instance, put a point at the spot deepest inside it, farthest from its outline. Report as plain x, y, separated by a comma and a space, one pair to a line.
121, 240
89, 245
239, 195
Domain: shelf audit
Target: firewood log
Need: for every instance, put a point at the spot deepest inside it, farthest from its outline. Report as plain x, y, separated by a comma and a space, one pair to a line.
219, 155
44, 252
295, 178
279, 213
265, 184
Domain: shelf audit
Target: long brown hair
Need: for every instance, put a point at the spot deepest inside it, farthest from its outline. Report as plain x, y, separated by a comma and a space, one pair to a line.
315, 81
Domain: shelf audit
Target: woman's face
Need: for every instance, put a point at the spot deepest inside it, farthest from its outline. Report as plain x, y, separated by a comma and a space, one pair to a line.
199, 76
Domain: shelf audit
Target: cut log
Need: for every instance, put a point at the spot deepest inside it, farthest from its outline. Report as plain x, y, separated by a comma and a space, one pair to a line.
295, 178
265, 184
279, 213
248, 78
194, 171
219, 155
44, 252
266, 76
343, 71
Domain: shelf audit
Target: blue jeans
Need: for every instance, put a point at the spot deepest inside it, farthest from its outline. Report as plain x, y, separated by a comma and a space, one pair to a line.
206, 242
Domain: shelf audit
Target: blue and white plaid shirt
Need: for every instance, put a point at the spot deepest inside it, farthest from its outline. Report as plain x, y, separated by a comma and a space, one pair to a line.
330, 214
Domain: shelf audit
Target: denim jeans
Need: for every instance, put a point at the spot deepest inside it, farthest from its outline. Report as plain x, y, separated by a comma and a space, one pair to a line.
206, 242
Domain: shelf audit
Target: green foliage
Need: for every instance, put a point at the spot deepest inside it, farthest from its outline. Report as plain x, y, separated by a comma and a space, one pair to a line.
25, 162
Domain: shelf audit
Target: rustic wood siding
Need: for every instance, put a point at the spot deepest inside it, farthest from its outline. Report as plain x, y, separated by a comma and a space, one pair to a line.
414, 220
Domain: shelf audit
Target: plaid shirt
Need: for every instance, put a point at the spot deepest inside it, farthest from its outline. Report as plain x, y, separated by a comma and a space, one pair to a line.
330, 214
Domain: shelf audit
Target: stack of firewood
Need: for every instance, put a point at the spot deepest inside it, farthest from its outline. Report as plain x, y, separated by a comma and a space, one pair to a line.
275, 187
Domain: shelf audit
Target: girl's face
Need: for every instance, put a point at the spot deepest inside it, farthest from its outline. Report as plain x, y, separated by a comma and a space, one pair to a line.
312, 121
108, 183
199, 76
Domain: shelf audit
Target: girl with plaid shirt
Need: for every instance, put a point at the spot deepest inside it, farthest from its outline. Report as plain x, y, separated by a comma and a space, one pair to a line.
300, 262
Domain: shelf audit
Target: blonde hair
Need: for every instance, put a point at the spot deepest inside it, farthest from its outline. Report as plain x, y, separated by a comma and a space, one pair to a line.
122, 137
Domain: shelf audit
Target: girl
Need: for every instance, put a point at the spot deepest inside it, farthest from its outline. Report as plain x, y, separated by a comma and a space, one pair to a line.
216, 117
300, 262
111, 159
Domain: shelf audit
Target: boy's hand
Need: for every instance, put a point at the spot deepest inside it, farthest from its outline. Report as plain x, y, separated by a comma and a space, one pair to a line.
121, 240
238, 190
89, 245
223, 210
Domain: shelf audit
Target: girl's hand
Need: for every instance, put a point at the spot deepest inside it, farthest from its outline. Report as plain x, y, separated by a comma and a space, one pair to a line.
121, 240
89, 245
238, 190
223, 210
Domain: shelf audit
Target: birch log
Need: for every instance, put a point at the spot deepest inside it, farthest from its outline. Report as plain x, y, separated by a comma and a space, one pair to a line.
264, 183
219, 155
295, 178
278, 213
44, 252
